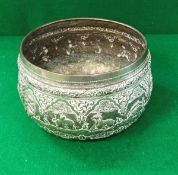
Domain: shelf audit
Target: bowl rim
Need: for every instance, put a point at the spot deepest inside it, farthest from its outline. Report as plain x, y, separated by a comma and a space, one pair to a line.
88, 77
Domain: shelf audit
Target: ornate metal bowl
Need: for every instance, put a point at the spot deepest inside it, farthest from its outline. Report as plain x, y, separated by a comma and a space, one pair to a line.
84, 78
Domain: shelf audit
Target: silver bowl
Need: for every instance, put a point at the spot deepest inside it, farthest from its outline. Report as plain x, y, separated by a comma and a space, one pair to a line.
84, 78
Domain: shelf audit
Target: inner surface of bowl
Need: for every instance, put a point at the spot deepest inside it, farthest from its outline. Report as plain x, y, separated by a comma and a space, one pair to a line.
83, 47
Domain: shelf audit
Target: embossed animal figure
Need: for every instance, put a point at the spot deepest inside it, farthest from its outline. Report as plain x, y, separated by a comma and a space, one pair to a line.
64, 122
137, 108
100, 123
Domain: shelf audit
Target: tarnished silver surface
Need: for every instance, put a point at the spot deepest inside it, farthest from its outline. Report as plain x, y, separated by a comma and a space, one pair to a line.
94, 101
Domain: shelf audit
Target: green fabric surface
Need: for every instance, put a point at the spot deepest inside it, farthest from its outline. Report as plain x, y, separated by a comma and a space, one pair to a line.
18, 17
150, 146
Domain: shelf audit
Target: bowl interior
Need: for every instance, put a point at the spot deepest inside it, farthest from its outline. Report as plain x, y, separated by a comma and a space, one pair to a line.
83, 46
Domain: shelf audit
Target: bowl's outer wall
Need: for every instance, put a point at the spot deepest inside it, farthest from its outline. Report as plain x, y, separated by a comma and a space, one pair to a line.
80, 114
